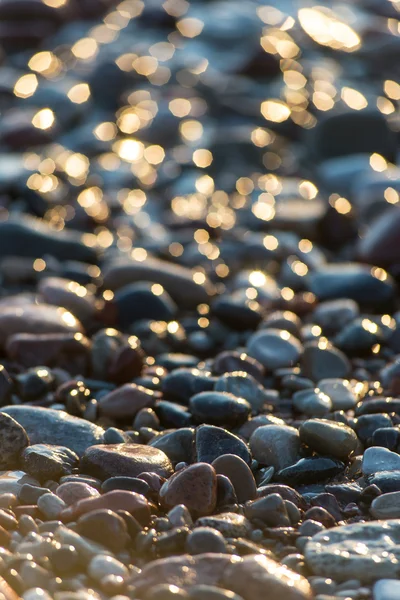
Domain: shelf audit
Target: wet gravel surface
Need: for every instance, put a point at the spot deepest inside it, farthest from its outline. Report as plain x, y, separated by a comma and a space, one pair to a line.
199, 306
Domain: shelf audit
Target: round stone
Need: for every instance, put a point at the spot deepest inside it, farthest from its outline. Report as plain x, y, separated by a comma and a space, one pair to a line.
275, 348
329, 438
219, 408
195, 487
366, 551
275, 445
239, 474
124, 459
312, 403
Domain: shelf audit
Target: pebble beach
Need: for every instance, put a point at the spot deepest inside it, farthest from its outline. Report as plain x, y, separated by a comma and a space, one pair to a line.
199, 300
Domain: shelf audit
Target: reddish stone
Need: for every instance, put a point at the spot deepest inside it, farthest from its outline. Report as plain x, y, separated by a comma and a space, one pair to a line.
73, 491
65, 350
126, 401
133, 503
195, 487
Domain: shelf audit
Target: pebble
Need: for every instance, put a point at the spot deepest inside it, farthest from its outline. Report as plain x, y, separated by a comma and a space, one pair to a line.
51, 505
55, 427
103, 565
386, 589
178, 445
229, 524
13, 440
386, 506
321, 360
366, 551
72, 491
244, 385
271, 510
275, 445
126, 401
329, 438
124, 460
212, 442
133, 503
275, 348
240, 475
45, 462
310, 470
376, 459
312, 403
342, 393
205, 539
104, 527
195, 487
245, 576
219, 408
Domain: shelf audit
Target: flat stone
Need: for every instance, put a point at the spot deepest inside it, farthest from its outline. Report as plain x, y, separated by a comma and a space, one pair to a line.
211, 442
55, 427
175, 279
69, 294
378, 459
275, 445
342, 392
104, 527
228, 523
130, 460
72, 491
13, 440
240, 475
312, 402
51, 505
195, 487
249, 576
386, 589
244, 385
386, 506
321, 360
36, 318
205, 539
315, 469
329, 438
45, 462
274, 348
219, 408
133, 503
271, 510
126, 401
366, 551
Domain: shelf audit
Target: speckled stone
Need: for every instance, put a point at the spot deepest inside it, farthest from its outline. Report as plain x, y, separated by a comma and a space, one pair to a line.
125, 459
195, 487
366, 551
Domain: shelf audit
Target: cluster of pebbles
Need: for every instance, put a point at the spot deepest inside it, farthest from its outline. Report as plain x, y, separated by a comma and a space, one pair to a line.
199, 310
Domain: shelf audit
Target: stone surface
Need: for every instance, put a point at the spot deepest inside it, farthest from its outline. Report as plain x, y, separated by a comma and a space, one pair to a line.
13, 440
274, 348
48, 426
386, 506
366, 551
45, 462
133, 503
239, 473
126, 401
329, 438
386, 589
124, 459
275, 445
195, 487
249, 576
211, 442
219, 408
376, 459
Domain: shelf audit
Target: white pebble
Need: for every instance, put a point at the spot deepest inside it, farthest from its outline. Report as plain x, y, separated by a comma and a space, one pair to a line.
103, 565
35, 594
51, 505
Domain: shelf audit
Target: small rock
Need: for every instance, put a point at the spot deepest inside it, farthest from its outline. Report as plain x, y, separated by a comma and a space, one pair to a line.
44, 462
239, 474
195, 487
329, 438
219, 408
274, 348
275, 445
51, 505
124, 459
386, 506
13, 440
211, 442
205, 539
378, 459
